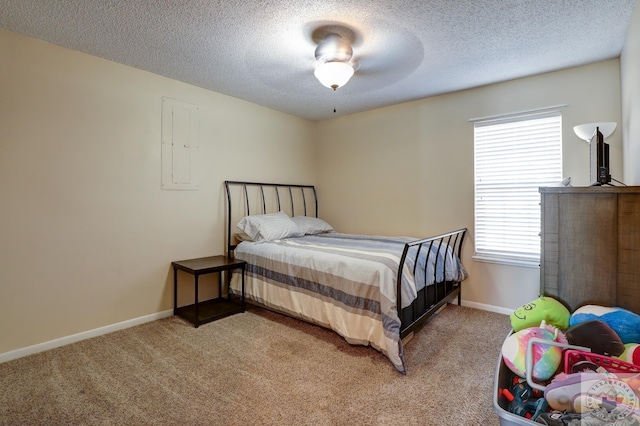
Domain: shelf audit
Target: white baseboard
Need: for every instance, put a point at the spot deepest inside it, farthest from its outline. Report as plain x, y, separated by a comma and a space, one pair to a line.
40, 347
484, 307
30, 350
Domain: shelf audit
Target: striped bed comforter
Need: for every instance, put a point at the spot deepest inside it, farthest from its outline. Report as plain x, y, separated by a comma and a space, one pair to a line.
344, 282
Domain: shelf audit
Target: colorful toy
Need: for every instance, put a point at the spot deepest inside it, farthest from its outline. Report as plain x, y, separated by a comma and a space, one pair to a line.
546, 358
631, 353
545, 309
564, 393
524, 401
597, 336
625, 323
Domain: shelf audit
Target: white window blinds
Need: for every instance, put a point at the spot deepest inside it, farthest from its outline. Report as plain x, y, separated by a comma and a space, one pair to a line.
513, 158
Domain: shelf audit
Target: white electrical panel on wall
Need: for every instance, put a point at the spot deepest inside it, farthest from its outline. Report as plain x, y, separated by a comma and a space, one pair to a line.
180, 133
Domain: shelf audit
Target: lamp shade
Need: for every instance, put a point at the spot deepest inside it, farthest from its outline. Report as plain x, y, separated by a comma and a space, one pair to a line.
586, 131
333, 74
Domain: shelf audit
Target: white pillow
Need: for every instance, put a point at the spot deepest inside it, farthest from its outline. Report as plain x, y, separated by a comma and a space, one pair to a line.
312, 225
268, 227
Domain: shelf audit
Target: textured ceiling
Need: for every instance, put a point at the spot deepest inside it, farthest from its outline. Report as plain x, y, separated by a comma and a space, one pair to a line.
263, 51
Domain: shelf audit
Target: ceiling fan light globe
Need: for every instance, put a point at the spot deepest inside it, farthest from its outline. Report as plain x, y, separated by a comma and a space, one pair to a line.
333, 74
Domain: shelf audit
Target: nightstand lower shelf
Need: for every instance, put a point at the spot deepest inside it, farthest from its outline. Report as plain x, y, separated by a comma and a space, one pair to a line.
204, 311
209, 310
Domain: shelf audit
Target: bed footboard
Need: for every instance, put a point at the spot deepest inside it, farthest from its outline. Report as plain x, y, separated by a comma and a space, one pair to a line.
433, 296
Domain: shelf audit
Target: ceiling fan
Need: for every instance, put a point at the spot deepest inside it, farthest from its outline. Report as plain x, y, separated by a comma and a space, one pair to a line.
388, 55
375, 57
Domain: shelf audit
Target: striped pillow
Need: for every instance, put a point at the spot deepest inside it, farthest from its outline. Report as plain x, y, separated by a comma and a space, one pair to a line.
269, 227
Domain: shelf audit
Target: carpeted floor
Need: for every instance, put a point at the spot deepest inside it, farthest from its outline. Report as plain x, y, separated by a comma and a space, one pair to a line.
259, 368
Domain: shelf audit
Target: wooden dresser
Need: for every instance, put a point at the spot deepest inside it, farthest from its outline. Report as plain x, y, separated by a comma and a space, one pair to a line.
591, 245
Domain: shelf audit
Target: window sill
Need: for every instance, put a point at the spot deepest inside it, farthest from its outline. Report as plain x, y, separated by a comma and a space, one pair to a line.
507, 261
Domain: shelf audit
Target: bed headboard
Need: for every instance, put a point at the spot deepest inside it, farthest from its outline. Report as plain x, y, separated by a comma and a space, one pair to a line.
250, 198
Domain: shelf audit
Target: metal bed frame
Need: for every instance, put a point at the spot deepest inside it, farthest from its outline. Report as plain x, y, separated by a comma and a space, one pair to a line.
303, 200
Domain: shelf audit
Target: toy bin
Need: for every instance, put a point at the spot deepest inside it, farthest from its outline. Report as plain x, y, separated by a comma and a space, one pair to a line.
504, 378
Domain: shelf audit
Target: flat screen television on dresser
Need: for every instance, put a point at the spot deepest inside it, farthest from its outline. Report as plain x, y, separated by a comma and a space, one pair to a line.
599, 160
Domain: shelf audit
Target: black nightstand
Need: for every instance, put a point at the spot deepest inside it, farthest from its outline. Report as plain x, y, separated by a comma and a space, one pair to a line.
209, 310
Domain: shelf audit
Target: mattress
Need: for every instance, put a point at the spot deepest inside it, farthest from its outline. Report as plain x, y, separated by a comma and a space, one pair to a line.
344, 282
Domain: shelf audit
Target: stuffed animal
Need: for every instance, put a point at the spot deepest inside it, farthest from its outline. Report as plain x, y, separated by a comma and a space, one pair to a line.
545, 309
625, 323
546, 358
597, 336
631, 354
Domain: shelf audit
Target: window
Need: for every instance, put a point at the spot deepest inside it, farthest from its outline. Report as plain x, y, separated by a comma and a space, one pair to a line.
513, 157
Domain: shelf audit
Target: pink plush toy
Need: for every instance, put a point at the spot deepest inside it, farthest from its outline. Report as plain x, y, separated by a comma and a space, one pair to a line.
546, 358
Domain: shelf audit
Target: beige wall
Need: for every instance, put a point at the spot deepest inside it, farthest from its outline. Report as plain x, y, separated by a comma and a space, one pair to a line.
630, 88
408, 169
88, 236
